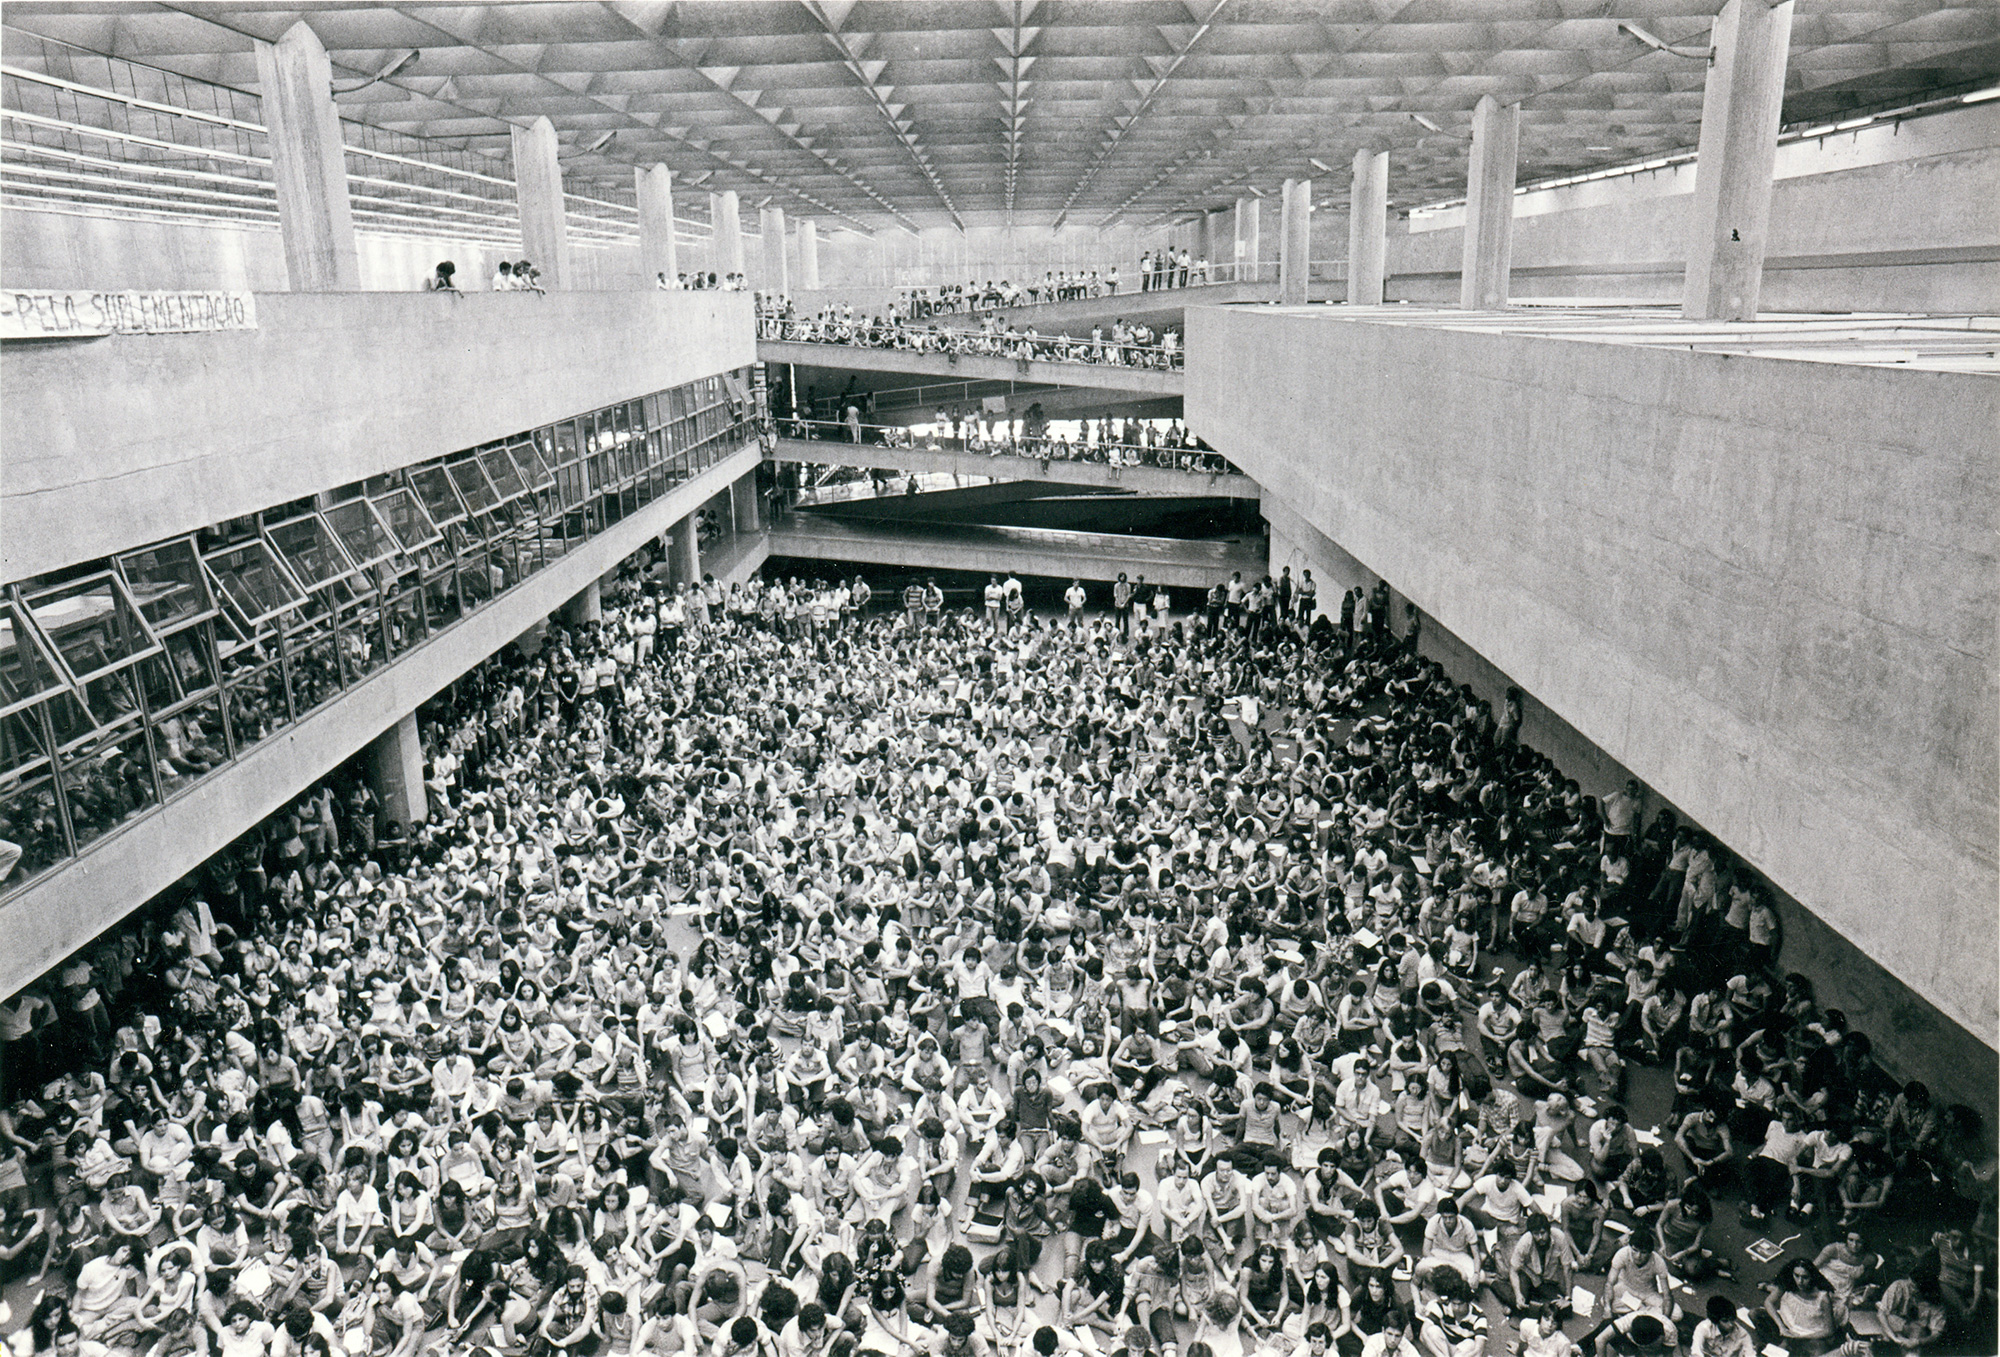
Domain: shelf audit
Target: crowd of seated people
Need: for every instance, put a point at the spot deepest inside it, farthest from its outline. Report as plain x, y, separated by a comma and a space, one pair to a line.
776, 976
1123, 345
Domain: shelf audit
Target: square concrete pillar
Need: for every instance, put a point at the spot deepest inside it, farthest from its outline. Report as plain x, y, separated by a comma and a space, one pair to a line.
539, 192
587, 606
1731, 220
308, 163
726, 225
684, 552
657, 253
1295, 243
743, 505
1489, 205
1248, 210
396, 772
777, 278
809, 255
1368, 228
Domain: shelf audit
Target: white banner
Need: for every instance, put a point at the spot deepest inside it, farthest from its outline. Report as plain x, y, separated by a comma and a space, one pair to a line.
39, 314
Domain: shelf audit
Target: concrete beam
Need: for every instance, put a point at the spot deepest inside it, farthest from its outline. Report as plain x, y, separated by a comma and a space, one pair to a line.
1731, 222
1368, 228
308, 163
1489, 204
539, 191
112, 443
658, 253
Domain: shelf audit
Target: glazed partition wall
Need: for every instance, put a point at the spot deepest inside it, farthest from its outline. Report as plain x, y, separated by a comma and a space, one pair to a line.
125, 681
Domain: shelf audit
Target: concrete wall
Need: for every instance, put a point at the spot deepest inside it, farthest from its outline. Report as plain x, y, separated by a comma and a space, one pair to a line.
1766, 587
127, 439
74, 903
56, 250
1914, 1040
1898, 217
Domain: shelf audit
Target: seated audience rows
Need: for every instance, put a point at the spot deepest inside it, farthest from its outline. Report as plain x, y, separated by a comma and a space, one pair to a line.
779, 976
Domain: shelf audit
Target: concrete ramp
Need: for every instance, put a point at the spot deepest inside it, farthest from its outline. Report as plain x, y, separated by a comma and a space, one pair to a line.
1028, 551
975, 367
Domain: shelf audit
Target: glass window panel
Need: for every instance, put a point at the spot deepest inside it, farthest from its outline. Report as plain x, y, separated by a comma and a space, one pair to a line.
535, 473
191, 652
403, 612
157, 683
189, 743
311, 549
91, 625
23, 750
31, 821
366, 538
440, 501
166, 583
567, 450
500, 470
257, 704
406, 519
25, 671
251, 578
471, 483
314, 665
107, 781
113, 697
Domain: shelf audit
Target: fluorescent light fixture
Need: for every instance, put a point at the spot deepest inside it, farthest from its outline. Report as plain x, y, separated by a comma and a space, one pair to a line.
1981, 96
1422, 121
1853, 123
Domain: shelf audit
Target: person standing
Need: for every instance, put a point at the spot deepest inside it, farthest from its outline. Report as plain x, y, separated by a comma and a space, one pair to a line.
1121, 605
1075, 597
1306, 598
1146, 271
995, 595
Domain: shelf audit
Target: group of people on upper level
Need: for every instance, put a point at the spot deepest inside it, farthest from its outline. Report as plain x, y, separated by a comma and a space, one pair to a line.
1123, 344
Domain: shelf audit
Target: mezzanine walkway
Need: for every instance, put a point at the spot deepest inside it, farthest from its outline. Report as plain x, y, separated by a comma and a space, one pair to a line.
1047, 552
950, 457
1143, 381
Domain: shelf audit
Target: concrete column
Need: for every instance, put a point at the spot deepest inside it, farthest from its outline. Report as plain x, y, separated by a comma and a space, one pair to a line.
539, 191
743, 504
1489, 205
396, 772
727, 227
808, 255
1295, 243
1368, 228
684, 553
1247, 212
657, 255
308, 163
587, 606
777, 278
1739, 143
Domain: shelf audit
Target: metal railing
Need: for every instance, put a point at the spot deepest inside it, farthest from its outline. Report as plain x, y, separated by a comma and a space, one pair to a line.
955, 343
1043, 448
